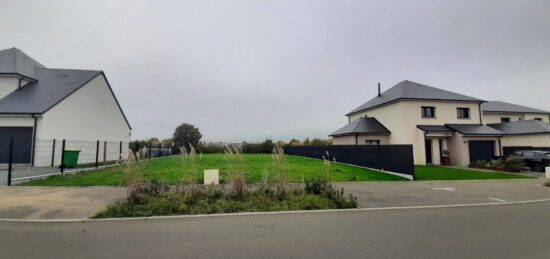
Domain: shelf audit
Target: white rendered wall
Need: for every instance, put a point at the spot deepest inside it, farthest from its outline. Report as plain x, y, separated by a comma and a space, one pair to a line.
535, 140
16, 121
361, 139
89, 114
8, 84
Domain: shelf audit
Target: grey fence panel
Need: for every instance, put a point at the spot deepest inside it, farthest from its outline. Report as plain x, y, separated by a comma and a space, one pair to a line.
394, 158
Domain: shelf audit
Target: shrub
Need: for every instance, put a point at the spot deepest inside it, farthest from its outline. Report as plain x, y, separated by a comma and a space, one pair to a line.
317, 186
479, 163
514, 163
497, 163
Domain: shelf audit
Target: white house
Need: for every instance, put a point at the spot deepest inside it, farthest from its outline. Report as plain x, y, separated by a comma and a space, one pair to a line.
443, 126
39, 105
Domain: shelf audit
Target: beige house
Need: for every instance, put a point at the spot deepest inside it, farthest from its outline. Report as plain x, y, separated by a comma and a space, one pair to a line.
40, 104
443, 127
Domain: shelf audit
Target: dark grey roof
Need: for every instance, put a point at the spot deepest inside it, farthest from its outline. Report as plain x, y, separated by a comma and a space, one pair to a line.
415, 91
362, 126
434, 128
14, 61
522, 127
496, 106
475, 129
52, 86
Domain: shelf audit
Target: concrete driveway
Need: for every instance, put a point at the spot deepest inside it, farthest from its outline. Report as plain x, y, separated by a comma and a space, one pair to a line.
22, 202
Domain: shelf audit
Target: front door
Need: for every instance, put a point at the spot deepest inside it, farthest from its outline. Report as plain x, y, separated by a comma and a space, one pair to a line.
428, 151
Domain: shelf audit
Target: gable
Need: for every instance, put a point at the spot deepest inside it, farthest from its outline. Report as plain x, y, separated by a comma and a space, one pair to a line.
92, 103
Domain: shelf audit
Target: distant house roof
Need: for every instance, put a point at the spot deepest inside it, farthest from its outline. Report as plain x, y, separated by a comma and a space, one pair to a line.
362, 126
413, 91
475, 129
435, 128
522, 127
496, 106
14, 61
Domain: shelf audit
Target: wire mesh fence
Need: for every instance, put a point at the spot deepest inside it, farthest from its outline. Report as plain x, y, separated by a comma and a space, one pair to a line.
58, 156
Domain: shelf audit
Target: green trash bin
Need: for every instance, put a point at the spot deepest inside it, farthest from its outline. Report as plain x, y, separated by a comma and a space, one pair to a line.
71, 157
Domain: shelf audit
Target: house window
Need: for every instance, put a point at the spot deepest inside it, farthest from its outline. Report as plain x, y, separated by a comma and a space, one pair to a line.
463, 113
428, 112
372, 142
538, 119
505, 119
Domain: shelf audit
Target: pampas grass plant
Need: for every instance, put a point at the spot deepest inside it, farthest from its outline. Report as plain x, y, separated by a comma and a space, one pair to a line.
235, 169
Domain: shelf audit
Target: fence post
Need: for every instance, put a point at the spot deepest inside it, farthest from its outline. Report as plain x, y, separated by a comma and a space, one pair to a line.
150, 146
120, 153
62, 167
104, 152
10, 161
97, 154
53, 152
160, 149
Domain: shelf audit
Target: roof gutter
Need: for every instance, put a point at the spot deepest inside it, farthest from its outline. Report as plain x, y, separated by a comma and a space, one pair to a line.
19, 75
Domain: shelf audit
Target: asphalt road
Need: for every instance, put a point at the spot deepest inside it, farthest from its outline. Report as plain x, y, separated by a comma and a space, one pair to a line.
500, 231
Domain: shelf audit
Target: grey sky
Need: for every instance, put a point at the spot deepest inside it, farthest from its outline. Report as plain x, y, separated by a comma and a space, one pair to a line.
247, 70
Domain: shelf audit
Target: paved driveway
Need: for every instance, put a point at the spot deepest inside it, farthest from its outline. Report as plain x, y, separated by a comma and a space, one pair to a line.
392, 194
22, 171
55, 202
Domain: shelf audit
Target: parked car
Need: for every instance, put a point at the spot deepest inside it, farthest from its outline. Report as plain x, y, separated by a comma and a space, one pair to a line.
536, 160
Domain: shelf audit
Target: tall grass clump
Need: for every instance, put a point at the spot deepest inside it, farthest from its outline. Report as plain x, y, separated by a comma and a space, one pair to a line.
280, 170
190, 165
236, 170
134, 174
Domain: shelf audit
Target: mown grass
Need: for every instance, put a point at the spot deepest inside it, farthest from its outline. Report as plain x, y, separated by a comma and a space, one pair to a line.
169, 170
445, 173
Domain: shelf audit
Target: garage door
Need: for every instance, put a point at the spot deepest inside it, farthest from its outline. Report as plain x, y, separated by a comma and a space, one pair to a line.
481, 150
22, 139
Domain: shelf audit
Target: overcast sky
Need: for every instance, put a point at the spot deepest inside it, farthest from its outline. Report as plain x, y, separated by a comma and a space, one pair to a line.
250, 70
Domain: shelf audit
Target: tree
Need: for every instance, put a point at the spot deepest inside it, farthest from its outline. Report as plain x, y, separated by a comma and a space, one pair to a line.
294, 143
185, 135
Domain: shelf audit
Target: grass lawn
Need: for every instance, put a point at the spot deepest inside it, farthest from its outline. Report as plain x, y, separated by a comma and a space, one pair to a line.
168, 170
446, 173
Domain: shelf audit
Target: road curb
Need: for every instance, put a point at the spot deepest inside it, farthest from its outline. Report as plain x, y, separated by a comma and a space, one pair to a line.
271, 212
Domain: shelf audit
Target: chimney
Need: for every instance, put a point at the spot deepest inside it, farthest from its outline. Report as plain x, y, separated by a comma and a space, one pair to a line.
379, 94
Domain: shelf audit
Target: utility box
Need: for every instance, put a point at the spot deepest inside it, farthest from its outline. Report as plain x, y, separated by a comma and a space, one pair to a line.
212, 177
548, 172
